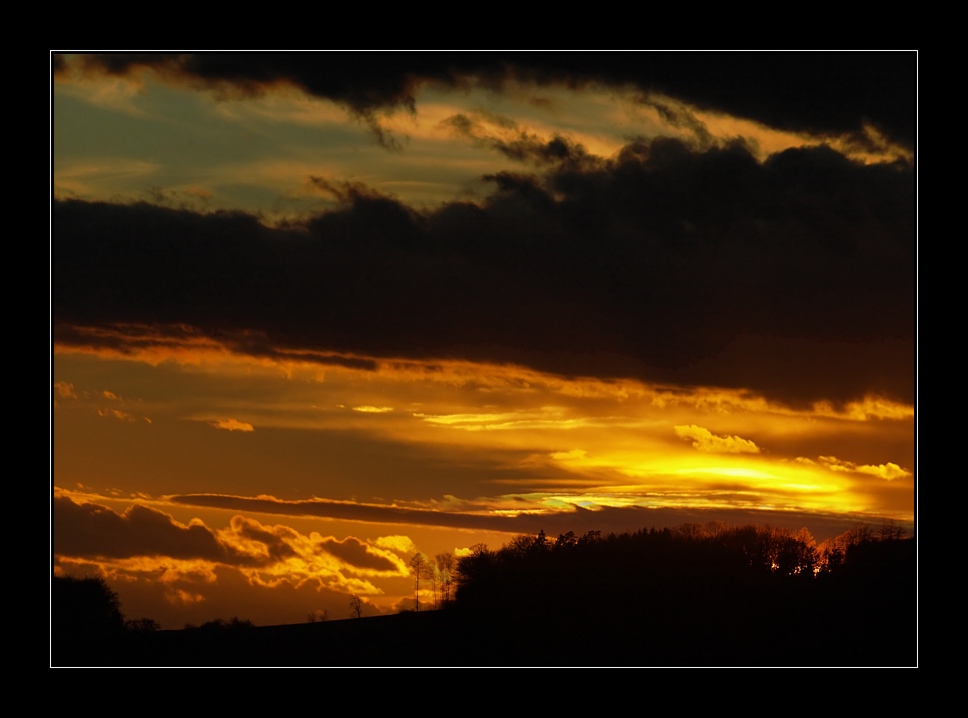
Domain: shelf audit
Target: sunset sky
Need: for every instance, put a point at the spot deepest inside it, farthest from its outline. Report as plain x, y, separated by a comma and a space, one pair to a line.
312, 313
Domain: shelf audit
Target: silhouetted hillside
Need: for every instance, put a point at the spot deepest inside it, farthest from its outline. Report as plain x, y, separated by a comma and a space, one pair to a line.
697, 595
694, 596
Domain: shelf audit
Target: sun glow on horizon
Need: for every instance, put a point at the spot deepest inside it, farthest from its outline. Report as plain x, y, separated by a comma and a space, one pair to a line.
656, 441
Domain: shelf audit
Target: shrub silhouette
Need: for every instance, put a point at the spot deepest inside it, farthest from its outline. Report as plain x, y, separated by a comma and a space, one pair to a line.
86, 624
219, 625
84, 606
145, 625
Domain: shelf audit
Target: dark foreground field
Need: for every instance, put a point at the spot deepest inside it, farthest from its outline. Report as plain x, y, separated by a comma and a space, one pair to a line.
847, 635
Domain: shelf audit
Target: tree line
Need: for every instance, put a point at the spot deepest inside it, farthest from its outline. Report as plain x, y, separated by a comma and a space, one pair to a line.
696, 594
436, 576
716, 547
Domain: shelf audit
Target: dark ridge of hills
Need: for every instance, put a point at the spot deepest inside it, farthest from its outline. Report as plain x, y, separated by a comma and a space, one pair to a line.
642, 600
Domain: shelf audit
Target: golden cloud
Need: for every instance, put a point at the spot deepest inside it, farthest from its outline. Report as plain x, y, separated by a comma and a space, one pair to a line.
233, 425
704, 440
400, 544
888, 471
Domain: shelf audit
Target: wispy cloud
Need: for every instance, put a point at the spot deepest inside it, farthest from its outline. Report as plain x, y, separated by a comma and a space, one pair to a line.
233, 425
370, 83
116, 414
65, 390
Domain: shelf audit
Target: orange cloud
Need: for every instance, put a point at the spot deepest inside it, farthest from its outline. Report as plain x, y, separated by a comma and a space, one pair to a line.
187, 346
65, 390
871, 407
233, 425
116, 414
180, 596
142, 543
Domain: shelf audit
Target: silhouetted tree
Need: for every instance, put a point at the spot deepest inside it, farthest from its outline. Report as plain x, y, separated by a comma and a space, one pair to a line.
474, 570
142, 624
218, 625
566, 541
86, 625
890, 531
418, 567
84, 606
356, 606
445, 564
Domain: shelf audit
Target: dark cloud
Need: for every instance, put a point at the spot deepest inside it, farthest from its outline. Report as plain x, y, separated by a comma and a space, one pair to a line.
528, 148
522, 147
128, 338
794, 277
276, 545
354, 552
819, 92
605, 519
347, 510
93, 531
682, 118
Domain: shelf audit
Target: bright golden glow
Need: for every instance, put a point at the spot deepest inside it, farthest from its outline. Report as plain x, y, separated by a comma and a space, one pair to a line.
606, 440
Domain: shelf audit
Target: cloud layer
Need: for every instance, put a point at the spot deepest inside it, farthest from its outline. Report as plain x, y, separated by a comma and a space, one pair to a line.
821, 93
793, 277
